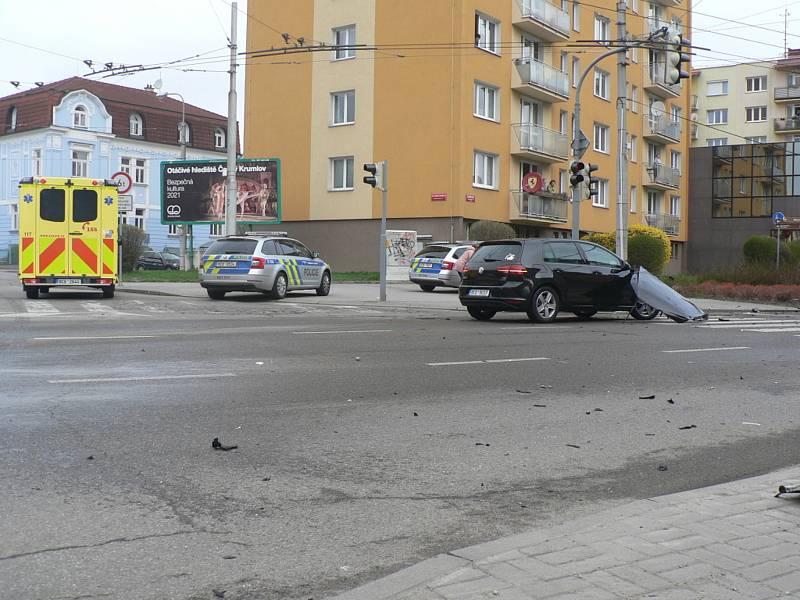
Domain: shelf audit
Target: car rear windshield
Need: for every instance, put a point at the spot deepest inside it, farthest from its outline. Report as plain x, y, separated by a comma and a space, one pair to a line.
504, 251
233, 247
433, 252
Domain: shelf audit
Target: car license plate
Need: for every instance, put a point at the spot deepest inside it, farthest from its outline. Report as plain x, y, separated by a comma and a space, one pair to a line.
68, 281
226, 264
478, 293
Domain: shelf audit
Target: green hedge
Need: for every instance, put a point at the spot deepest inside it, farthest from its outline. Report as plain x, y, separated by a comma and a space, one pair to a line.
647, 246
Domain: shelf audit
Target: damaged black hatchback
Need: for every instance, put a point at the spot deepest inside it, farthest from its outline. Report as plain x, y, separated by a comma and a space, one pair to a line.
543, 276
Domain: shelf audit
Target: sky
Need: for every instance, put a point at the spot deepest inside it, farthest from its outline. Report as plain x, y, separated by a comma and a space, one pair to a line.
47, 40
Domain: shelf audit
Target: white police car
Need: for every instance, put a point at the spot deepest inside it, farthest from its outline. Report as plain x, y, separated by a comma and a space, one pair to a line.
272, 264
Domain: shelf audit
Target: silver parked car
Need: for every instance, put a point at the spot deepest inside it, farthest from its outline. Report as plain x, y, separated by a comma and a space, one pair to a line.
270, 264
434, 266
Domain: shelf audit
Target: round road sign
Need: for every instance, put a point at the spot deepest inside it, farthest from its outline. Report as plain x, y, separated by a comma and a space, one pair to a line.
124, 181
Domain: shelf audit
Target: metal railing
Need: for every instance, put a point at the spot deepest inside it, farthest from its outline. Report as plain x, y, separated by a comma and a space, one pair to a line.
787, 93
657, 74
537, 73
669, 224
544, 206
787, 124
544, 12
663, 174
665, 126
535, 138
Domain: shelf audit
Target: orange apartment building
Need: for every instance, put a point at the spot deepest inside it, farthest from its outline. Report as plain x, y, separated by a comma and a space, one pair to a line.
463, 98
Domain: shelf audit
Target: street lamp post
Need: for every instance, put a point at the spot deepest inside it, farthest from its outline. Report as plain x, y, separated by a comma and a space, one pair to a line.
182, 140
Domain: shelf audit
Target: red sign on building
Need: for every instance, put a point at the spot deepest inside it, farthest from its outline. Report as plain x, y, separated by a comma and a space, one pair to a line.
438, 197
532, 182
470, 198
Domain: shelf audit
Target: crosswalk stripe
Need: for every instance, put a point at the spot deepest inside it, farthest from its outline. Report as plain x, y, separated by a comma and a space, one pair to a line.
747, 324
40, 307
774, 329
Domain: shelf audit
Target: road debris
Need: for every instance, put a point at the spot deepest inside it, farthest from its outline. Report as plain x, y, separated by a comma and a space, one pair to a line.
688, 427
670, 401
539, 405
218, 593
267, 478
662, 467
787, 489
573, 446
416, 414
481, 444
217, 445
545, 387
650, 397
524, 392
90, 457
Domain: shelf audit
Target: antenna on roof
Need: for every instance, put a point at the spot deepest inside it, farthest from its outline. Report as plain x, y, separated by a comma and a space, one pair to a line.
39, 83
14, 83
109, 65
158, 85
88, 63
285, 37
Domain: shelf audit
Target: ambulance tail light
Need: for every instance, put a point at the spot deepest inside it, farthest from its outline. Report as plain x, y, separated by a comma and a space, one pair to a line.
94, 181
30, 281
258, 263
41, 180
106, 281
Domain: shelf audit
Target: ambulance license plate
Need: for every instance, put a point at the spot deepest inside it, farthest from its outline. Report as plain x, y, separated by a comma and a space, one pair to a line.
68, 281
226, 264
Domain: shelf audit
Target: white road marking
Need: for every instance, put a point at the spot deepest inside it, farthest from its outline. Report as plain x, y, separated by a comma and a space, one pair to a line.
775, 329
152, 378
484, 362
533, 327
736, 324
40, 307
706, 349
98, 337
342, 331
751, 423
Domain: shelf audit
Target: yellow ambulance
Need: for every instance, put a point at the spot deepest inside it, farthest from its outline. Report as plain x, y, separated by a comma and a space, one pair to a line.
67, 234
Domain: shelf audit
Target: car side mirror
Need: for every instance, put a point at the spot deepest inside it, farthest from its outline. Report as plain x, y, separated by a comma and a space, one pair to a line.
315, 254
624, 267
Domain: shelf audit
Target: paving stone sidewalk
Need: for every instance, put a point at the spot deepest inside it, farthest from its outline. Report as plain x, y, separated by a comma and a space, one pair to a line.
733, 541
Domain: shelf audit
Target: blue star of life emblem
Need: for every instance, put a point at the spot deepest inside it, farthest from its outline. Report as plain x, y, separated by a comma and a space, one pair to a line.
109, 201
27, 198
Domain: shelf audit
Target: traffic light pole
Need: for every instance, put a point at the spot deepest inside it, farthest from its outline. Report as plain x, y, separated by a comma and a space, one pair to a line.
384, 203
622, 137
576, 132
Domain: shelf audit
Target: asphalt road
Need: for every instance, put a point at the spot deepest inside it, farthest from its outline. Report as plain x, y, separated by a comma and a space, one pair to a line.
359, 451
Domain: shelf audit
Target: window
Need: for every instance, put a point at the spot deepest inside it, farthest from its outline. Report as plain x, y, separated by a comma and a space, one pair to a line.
173, 229
755, 114
219, 137
576, 16
486, 101
718, 116
485, 170
601, 199
717, 88
13, 212
487, 34
634, 149
215, 229
341, 173
563, 181
84, 206
634, 99
80, 163
653, 203
344, 36
344, 107
576, 71
80, 117
135, 167
562, 65
135, 124
634, 194
635, 6
11, 119
36, 161
597, 255
717, 141
675, 114
139, 217
563, 121
184, 133
52, 204
602, 29
675, 206
634, 53
601, 138
675, 160
756, 84
601, 84
562, 252
757, 139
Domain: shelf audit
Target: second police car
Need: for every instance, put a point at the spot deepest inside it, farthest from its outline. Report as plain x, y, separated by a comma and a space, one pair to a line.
268, 263
434, 266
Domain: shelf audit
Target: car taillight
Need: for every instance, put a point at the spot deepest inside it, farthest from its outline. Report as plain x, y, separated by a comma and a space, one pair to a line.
257, 263
448, 265
512, 270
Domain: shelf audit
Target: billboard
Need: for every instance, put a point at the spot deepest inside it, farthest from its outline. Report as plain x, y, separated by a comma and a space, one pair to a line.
194, 191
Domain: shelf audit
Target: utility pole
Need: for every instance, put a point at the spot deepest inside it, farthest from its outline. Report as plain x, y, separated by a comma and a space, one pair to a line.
230, 204
622, 137
384, 206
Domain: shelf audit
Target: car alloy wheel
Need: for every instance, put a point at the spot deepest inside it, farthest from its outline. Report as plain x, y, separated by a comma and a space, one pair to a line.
325, 285
280, 286
544, 305
644, 312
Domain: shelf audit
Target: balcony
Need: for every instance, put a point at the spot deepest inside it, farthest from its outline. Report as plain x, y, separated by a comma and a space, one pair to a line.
787, 125
694, 105
656, 83
669, 224
663, 130
542, 207
536, 79
531, 141
666, 2
661, 177
542, 19
784, 94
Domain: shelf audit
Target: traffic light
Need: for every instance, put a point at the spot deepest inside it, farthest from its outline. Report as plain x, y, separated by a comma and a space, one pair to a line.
677, 59
591, 180
375, 177
576, 169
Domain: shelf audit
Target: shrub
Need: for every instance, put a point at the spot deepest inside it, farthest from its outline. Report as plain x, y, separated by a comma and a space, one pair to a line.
131, 239
760, 249
607, 240
646, 251
793, 250
490, 230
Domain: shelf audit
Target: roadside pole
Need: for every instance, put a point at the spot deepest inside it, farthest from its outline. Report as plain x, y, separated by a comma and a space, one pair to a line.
622, 137
232, 138
384, 204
